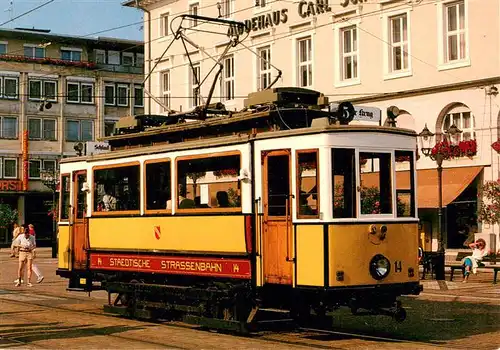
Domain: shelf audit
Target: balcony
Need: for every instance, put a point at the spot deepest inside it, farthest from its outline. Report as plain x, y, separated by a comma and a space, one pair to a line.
117, 68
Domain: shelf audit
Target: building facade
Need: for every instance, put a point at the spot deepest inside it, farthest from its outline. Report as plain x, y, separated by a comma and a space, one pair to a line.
437, 61
57, 91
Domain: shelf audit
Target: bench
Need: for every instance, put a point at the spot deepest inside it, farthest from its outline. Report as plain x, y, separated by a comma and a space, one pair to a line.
454, 262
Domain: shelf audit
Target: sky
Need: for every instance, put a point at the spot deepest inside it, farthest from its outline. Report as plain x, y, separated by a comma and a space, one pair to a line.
76, 17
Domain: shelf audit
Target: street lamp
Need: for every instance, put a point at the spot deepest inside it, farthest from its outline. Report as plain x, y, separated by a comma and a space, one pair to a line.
50, 178
427, 143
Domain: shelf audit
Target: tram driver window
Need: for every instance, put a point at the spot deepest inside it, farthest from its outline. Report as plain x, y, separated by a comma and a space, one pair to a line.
116, 189
65, 197
208, 183
376, 183
158, 186
344, 183
405, 184
307, 183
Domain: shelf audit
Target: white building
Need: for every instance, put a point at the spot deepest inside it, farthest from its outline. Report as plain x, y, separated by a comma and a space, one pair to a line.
438, 61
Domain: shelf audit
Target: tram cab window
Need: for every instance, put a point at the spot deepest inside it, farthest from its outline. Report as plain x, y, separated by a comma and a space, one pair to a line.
208, 183
344, 183
65, 197
405, 184
117, 188
158, 185
307, 183
376, 183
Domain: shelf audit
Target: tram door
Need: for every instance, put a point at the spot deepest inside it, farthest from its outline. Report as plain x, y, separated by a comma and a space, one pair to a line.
79, 228
277, 219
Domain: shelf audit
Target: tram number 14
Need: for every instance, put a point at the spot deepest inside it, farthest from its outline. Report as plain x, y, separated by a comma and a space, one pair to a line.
398, 266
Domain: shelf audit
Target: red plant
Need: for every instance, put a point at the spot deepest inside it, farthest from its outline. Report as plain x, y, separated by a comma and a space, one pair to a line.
464, 149
225, 172
47, 60
496, 146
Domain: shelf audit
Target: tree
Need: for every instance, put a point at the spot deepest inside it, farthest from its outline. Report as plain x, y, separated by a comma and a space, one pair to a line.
7, 216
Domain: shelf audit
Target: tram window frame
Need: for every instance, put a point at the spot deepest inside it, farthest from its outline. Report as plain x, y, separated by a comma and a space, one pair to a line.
179, 173
145, 186
62, 193
383, 193
349, 209
94, 197
411, 191
298, 153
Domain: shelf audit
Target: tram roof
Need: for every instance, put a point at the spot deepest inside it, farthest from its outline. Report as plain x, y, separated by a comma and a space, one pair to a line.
235, 139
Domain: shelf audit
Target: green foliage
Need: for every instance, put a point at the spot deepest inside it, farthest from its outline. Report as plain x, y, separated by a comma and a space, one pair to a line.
234, 198
370, 200
7, 215
489, 203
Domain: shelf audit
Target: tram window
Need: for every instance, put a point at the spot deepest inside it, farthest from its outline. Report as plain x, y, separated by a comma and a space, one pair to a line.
65, 197
344, 183
157, 185
307, 183
376, 183
405, 184
208, 183
116, 189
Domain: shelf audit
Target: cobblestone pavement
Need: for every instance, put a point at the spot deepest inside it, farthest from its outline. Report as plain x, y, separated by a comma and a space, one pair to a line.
458, 316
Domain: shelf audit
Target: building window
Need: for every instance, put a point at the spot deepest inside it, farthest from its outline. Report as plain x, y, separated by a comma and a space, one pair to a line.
100, 56
193, 10
165, 87
71, 54
228, 79
194, 79
109, 94
164, 24
138, 96
122, 95
117, 189
349, 53
37, 165
42, 129
139, 62
227, 8
455, 32
114, 57
34, 51
398, 34
80, 92
263, 67
463, 119
109, 128
42, 89
10, 168
8, 127
10, 87
79, 130
3, 48
304, 69
128, 59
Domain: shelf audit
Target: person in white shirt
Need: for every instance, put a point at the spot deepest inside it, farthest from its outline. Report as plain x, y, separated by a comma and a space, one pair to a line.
27, 245
15, 233
472, 262
109, 202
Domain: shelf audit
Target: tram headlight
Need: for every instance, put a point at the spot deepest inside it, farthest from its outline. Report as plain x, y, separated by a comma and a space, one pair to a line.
380, 267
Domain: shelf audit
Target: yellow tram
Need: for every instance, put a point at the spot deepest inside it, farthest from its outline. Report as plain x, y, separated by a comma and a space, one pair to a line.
211, 215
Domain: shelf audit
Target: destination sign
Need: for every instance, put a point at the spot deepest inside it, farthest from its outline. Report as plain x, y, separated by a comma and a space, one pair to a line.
218, 267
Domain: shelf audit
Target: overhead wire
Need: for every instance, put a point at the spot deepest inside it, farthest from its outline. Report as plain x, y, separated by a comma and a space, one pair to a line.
27, 12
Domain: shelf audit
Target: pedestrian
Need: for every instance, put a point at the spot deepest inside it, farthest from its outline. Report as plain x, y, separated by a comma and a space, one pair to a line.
471, 262
15, 233
36, 270
27, 245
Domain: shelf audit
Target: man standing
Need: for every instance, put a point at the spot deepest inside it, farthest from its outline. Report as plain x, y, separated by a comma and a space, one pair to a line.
27, 245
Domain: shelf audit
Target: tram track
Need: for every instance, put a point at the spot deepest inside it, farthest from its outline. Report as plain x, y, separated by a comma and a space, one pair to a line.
297, 337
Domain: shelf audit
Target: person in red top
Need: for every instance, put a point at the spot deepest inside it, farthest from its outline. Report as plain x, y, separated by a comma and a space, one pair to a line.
36, 270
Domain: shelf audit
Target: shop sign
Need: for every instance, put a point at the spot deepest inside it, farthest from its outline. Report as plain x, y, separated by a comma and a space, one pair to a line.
10, 185
92, 148
364, 113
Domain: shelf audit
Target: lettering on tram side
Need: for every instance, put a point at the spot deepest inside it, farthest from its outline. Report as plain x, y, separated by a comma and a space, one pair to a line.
235, 268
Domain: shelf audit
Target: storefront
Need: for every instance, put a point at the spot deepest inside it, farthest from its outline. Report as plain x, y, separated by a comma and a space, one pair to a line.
9, 196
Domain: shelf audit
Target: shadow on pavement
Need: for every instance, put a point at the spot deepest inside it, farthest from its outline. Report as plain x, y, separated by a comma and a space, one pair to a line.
427, 321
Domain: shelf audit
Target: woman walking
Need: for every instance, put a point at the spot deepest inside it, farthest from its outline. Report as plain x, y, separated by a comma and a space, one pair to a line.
36, 270
15, 233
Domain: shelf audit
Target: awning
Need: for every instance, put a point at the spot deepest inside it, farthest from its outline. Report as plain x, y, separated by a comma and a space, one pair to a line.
455, 181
